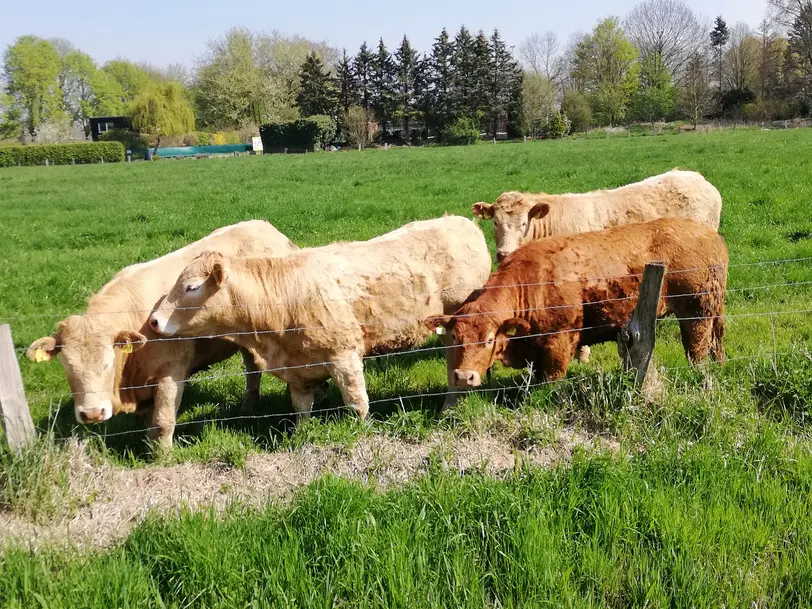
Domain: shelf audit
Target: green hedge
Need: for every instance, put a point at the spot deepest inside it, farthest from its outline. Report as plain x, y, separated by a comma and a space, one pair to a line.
62, 154
302, 134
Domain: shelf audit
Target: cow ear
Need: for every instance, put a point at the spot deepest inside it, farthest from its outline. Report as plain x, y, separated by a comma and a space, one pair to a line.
439, 324
45, 349
129, 341
483, 211
219, 269
514, 327
539, 210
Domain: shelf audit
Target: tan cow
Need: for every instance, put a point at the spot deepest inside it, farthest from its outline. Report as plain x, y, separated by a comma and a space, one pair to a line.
105, 351
317, 312
522, 217
552, 295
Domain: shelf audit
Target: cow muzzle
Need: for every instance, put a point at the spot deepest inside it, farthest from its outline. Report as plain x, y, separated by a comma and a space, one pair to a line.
465, 379
500, 256
94, 414
161, 325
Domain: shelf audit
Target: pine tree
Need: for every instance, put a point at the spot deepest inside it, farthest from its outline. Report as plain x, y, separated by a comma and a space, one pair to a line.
317, 94
463, 75
409, 85
506, 88
718, 38
346, 85
382, 85
482, 79
440, 85
362, 66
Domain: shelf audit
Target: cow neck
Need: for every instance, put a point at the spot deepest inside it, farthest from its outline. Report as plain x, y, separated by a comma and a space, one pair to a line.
118, 306
123, 378
261, 290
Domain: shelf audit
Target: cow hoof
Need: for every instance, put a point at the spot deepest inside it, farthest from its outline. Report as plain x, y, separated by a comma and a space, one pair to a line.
249, 402
450, 402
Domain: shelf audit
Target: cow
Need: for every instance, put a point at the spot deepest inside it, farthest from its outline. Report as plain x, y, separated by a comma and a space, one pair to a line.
110, 357
552, 295
316, 313
521, 217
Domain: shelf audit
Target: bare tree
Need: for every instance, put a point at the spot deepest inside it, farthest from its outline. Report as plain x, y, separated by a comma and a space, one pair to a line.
542, 54
770, 60
667, 27
742, 58
361, 126
784, 12
696, 95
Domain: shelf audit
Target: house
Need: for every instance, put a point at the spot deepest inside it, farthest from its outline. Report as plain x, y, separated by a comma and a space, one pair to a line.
101, 124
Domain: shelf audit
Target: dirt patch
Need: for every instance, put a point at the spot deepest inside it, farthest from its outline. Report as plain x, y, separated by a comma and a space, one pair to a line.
117, 499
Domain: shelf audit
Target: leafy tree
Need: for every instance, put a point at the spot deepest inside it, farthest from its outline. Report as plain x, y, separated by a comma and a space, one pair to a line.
76, 81
576, 107
741, 59
798, 59
364, 73
382, 85
317, 92
441, 71
346, 84
163, 110
9, 117
655, 98
605, 68
770, 61
539, 102
132, 79
107, 94
718, 39
32, 68
360, 126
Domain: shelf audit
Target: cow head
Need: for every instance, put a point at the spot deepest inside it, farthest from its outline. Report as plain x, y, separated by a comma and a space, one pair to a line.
476, 341
197, 300
93, 356
512, 214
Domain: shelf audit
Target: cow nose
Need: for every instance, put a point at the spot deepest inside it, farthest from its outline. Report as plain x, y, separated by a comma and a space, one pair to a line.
91, 415
500, 256
466, 378
153, 323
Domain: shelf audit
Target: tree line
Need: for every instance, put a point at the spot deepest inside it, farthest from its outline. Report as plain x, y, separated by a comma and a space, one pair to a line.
660, 62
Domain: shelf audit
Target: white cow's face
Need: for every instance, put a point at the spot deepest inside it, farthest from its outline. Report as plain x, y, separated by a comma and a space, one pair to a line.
197, 301
93, 357
512, 214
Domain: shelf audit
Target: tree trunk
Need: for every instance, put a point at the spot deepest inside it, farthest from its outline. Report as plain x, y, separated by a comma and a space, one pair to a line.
155, 150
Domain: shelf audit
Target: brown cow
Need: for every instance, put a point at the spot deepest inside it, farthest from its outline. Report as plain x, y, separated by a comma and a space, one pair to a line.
316, 313
552, 295
105, 351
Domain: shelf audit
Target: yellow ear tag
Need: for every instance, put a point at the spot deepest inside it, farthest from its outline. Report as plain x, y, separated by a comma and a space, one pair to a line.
441, 331
511, 332
40, 356
128, 348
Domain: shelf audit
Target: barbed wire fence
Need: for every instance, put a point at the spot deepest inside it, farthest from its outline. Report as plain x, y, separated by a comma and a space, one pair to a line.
525, 387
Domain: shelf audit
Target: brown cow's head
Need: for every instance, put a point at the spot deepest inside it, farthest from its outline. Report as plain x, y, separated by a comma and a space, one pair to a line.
511, 215
477, 340
197, 300
93, 357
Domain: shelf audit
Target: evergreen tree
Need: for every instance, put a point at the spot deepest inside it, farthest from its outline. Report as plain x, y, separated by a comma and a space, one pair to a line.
506, 88
382, 85
718, 38
317, 94
346, 84
409, 86
362, 66
440, 85
481, 98
463, 76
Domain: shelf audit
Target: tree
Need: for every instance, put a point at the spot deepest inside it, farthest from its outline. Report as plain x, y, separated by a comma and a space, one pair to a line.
576, 107
364, 74
696, 96
440, 82
669, 28
656, 97
785, 12
605, 69
346, 85
770, 62
317, 92
76, 81
361, 127
718, 39
409, 85
539, 102
162, 109
505, 86
798, 60
382, 85
107, 94
132, 79
542, 54
741, 58
464, 85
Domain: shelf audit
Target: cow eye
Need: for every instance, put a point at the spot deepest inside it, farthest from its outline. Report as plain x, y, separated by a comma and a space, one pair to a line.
192, 288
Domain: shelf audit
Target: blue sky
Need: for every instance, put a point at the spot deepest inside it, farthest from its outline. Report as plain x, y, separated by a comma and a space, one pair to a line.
175, 31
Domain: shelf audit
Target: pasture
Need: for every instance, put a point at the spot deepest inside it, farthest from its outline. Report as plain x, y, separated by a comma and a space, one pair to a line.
699, 499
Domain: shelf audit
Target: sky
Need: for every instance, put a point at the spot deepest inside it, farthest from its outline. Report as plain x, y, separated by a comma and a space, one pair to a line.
176, 31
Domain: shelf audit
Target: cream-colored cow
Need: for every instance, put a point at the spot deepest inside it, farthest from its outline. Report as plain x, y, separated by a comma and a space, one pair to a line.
316, 313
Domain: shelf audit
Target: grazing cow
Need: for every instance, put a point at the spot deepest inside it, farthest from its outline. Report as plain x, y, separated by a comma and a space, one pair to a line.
522, 217
316, 313
552, 295
105, 351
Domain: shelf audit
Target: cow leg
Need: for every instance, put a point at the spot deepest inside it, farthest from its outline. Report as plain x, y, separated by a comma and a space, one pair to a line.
558, 353
583, 354
302, 398
167, 399
253, 379
348, 374
453, 396
697, 338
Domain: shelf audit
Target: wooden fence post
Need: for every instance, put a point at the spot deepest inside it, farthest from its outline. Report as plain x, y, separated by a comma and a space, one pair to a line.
635, 342
16, 417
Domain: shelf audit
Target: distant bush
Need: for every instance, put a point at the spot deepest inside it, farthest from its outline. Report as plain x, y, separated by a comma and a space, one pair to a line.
302, 134
577, 109
62, 154
130, 139
557, 126
461, 132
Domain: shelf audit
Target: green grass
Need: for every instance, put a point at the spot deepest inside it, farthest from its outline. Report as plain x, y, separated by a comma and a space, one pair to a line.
705, 504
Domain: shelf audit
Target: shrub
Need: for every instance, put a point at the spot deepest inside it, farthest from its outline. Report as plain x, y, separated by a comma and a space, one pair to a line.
577, 109
62, 154
557, 126
302, 134
203, 138
461, 132
130, 139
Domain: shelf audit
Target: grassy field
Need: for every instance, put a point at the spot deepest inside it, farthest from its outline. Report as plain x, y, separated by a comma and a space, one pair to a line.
706, 502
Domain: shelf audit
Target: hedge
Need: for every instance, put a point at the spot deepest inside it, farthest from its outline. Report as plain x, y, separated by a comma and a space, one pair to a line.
62, 154
302, 134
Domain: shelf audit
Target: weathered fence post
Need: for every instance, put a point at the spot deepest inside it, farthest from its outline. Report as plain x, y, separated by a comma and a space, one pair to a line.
635, 342
16, 417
